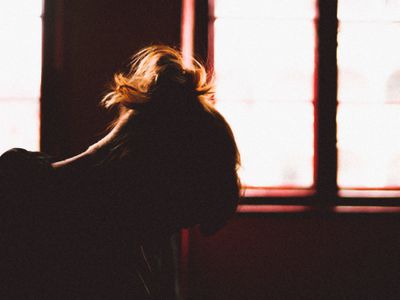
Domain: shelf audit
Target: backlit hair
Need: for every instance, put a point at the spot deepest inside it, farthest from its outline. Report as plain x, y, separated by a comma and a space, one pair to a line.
151, 69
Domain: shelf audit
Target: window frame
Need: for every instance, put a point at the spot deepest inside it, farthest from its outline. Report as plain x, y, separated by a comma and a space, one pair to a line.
325, 192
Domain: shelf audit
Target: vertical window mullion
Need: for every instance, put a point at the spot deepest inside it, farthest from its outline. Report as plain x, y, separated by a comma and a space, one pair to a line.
53, 130
326, 102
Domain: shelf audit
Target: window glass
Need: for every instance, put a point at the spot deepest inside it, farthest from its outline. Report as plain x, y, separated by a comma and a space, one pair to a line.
20, 72
264, 64
369, 94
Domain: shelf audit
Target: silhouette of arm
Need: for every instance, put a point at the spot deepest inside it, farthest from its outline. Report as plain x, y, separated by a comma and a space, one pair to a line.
94, 154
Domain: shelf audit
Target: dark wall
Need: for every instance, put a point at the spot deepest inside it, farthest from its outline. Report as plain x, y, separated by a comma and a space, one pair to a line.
85, 43
304, 256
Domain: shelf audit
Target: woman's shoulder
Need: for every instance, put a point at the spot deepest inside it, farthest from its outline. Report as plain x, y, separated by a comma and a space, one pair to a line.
18, 160
20, 155
23, 171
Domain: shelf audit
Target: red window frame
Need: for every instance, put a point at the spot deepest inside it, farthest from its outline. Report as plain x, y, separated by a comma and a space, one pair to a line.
325, 192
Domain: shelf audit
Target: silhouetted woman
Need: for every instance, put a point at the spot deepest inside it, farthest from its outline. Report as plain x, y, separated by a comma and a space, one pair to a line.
99, 225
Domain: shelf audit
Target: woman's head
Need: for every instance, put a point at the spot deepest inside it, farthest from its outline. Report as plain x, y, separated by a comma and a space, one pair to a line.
157, 70
179, 147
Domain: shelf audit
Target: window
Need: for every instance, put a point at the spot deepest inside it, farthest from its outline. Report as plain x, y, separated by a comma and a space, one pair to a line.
264, 63
368, 95
312, 91
20, 72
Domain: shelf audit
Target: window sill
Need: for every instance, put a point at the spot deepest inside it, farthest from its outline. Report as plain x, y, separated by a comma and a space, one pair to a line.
301, 209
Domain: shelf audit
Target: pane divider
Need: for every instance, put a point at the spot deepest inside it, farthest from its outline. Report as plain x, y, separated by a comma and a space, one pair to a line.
325, 150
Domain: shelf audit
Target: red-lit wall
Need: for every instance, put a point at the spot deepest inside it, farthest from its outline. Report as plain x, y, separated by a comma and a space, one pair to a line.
304, 256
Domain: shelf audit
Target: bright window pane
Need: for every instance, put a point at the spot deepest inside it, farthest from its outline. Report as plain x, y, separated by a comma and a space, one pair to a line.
264, 63
369, 94
20, 72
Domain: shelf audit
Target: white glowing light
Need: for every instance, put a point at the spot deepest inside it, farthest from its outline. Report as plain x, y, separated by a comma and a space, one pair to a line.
20, 73
264, 63
369, 94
